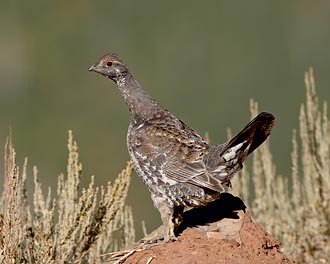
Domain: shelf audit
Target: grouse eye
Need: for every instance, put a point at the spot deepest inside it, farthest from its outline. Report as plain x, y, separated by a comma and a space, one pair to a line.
109, 63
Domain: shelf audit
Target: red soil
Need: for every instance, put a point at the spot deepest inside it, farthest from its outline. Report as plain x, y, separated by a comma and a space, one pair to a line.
231, 239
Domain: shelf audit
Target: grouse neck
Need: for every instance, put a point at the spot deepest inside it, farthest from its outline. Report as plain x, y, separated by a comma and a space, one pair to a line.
140, 104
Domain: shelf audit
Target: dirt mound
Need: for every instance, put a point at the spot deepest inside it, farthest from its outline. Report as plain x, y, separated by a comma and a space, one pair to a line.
229, 237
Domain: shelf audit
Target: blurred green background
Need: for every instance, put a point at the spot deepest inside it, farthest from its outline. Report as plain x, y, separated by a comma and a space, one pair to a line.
203, 60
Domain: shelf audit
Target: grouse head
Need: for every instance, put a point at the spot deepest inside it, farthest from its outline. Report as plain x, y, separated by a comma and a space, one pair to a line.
111, 67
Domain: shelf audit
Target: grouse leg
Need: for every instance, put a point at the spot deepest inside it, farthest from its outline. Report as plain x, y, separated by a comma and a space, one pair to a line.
171, 218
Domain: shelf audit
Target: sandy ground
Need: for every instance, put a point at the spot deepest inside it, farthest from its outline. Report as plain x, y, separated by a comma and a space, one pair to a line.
220, 233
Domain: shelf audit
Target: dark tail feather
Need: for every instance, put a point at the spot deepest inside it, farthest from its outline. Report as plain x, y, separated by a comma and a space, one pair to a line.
257, 131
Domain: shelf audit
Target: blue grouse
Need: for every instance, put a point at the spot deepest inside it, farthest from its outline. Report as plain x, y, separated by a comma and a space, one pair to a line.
180, 169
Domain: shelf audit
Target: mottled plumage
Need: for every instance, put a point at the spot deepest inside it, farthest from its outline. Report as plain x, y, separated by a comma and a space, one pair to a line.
180, 169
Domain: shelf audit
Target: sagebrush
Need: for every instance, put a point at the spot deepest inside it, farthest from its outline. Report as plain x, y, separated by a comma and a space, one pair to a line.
295, 209
74, 226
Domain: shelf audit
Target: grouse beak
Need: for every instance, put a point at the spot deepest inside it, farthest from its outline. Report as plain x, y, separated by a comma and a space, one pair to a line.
92, 68
97, 69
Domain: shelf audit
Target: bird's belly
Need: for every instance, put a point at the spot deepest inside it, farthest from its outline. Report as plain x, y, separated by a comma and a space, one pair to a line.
184, 195
144, 168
